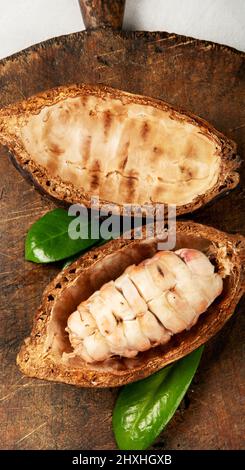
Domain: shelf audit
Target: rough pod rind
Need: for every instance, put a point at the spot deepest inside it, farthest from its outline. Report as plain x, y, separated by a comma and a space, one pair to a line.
47, 353
79, 141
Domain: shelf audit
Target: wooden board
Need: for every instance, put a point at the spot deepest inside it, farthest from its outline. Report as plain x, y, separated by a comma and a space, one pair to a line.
204, 78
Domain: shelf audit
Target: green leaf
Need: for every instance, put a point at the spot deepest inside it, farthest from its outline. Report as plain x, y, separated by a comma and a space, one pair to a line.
144, 408
48, 239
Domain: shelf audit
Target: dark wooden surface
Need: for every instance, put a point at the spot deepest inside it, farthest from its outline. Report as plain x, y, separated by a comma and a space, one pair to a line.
206, 79
99, 13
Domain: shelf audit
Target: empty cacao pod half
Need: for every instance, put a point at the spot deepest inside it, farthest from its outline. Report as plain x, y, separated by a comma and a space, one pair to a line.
75, 142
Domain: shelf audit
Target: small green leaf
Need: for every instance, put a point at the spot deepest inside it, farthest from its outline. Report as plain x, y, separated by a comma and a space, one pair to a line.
48, 239
144, 408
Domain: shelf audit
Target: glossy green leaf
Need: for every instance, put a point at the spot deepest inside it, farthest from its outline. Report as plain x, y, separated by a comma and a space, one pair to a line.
144, 408
48, 239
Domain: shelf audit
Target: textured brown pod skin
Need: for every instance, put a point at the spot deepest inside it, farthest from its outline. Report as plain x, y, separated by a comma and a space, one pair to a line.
37, 358
14, 117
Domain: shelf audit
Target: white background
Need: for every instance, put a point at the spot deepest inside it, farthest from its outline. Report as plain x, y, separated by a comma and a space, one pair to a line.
26, 22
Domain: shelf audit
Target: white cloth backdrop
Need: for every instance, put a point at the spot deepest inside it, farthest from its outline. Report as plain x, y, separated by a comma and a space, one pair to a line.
26, 22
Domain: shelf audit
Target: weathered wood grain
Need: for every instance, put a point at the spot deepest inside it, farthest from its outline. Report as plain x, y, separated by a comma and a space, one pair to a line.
98, 13
204, 78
